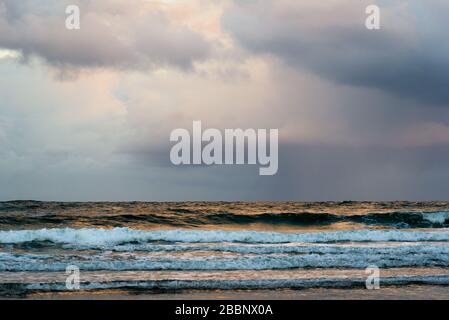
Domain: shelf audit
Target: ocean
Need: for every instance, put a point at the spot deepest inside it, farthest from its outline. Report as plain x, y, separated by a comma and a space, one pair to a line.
224, 249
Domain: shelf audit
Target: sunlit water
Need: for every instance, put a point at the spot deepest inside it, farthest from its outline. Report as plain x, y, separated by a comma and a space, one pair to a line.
151, 249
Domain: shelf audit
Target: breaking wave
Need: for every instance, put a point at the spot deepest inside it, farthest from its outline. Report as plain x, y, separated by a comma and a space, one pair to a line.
89, 236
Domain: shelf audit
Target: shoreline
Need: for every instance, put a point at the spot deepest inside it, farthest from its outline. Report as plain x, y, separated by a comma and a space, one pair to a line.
409, 292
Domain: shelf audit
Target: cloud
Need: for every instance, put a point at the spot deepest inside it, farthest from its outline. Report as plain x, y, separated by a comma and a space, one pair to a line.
424, 134
113, 34
359, 173
407, 57
349, 129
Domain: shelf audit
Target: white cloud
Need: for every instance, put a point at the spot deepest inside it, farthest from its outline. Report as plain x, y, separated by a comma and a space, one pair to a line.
113, 34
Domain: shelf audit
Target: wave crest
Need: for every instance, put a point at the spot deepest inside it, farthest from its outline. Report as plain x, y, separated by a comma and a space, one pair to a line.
88, 236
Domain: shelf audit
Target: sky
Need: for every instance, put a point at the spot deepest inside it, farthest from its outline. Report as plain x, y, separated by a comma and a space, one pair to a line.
86, 115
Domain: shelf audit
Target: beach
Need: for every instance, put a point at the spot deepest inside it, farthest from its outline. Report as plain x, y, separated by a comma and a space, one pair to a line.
413, 292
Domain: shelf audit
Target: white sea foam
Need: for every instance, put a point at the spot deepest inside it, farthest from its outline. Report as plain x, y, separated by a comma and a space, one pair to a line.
91, 236
405, 248
26, 262
436, 217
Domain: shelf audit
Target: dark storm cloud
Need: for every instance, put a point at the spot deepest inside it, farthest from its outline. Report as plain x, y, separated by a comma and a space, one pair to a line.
408, 57
322, 173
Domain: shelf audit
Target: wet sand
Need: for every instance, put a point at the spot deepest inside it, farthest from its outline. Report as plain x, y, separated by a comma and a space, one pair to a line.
412, 292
